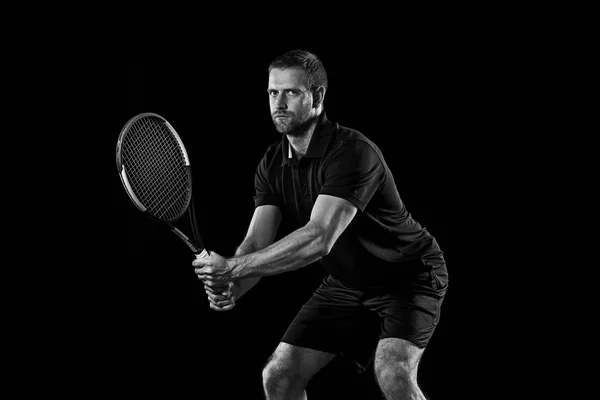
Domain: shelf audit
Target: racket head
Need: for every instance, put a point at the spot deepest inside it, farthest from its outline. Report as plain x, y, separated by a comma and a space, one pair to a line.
154, 167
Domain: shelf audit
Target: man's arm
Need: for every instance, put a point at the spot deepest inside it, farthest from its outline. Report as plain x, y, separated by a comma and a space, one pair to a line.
329, 218
261, 233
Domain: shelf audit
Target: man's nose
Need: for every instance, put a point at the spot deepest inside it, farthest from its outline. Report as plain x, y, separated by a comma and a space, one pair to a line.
281, 103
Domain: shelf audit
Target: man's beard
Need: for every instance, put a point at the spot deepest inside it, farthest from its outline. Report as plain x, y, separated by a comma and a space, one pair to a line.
293, 126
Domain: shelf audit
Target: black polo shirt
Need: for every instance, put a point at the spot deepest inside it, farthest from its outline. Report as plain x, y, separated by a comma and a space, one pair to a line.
383, 239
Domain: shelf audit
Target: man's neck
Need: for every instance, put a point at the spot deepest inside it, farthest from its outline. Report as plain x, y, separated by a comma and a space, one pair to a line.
300, 142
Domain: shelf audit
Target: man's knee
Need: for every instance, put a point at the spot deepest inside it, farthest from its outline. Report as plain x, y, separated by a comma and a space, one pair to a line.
280, 376
396, 374
396, 364
290, 368
273, 374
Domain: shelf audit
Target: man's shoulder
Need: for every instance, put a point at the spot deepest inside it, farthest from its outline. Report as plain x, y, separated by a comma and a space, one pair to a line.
273, 148
349, 137
272, 152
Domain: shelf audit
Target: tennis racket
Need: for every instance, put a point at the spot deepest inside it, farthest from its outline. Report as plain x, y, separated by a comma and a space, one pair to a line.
155, 171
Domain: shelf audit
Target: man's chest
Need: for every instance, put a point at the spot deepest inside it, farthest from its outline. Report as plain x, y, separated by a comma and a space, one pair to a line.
299, 186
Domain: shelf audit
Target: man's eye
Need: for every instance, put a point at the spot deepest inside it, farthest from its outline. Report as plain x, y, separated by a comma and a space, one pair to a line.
292, 92
272, 93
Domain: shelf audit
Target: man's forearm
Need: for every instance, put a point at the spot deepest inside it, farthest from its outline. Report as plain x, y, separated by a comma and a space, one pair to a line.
296, 250
241, 286
247, 246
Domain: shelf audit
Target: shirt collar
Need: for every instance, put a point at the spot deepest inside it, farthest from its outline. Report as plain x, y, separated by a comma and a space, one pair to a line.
318, 142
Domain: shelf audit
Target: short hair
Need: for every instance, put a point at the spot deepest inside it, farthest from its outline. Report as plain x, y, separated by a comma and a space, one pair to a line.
306, 61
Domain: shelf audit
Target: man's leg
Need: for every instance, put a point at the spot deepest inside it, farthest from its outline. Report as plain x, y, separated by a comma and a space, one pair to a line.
396, 365
289, 370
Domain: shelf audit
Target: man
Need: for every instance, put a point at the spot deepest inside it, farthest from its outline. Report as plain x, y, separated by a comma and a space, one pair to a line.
386, 277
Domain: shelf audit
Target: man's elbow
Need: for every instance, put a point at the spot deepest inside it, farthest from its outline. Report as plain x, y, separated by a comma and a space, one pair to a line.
323, 240
322, 250
326, 243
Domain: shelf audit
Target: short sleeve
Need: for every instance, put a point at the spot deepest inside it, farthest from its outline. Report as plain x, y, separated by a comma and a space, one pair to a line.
264, 192
354, 173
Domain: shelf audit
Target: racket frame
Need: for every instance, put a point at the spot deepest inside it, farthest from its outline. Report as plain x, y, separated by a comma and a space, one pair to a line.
196, 245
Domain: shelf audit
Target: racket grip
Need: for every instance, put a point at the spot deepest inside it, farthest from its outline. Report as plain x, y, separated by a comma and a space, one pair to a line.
203, 254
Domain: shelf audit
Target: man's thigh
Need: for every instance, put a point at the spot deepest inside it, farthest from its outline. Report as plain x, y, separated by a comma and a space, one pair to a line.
298, 361
334, 321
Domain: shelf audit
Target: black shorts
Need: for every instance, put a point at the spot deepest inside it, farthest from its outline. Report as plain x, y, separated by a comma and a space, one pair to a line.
349, 322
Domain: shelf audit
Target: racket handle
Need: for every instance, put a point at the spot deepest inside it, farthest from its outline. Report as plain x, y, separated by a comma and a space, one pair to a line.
204, 253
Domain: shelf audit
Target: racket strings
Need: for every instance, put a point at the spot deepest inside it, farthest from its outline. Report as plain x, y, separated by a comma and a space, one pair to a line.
162, 169
156, 168
168, 181
163, 184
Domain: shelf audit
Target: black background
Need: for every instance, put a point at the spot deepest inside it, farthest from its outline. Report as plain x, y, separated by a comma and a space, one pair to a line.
424, 108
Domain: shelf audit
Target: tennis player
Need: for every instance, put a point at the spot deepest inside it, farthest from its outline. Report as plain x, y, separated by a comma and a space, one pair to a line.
381, 299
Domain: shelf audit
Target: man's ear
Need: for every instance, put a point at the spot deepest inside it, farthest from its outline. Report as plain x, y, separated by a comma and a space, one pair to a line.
318, 96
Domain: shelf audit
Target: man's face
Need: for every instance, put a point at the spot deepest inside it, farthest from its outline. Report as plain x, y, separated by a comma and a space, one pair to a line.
290, 99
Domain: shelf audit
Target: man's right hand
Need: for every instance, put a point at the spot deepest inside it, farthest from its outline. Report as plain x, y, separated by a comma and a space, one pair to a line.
220, 298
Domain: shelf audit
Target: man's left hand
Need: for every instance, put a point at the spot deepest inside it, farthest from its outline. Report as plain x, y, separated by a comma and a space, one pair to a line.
213, 270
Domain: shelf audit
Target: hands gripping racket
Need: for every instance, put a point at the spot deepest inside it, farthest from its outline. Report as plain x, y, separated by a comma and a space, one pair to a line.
155, 171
